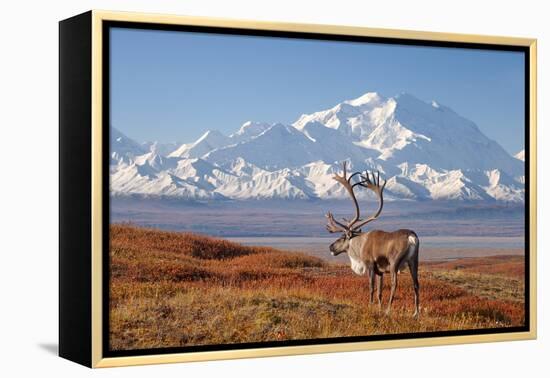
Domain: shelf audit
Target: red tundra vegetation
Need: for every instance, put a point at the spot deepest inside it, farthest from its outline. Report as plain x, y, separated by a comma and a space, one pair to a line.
171, 289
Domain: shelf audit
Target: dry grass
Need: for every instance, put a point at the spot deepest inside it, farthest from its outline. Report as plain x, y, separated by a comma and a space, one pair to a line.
496, 277
175, 289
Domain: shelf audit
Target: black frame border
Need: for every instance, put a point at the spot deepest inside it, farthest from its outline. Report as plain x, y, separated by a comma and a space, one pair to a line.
107, 25
75, 201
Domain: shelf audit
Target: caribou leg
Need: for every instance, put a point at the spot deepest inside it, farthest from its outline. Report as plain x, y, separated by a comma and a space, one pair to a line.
371, 284
413, 267
393, 271
379, 289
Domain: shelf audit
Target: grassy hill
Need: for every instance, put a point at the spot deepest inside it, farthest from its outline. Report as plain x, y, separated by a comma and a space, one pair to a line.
179, 289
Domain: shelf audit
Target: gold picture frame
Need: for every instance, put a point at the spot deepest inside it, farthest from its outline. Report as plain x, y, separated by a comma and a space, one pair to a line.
84, 36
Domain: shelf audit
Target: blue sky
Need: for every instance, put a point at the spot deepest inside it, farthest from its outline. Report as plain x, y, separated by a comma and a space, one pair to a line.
173, 86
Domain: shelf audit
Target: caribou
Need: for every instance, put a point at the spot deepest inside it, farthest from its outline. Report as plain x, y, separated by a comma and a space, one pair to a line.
374, 252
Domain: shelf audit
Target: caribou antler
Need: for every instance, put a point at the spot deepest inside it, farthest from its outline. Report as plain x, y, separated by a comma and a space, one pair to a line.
347, 182
374, 185
335, 226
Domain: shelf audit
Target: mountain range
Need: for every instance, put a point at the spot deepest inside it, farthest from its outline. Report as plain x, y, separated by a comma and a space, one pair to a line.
424, 150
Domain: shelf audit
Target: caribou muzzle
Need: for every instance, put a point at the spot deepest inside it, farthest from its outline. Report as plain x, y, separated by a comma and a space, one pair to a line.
333, 252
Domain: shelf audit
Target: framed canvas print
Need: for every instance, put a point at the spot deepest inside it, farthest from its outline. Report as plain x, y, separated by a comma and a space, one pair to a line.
234, 189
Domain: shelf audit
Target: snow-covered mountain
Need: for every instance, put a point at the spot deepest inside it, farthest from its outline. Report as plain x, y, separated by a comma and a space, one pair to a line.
209, 141
163, 149
249, 130
424, 150
124, 149
520, 155
406, 129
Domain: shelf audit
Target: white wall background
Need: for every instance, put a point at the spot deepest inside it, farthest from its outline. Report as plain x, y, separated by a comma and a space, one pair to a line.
28, 174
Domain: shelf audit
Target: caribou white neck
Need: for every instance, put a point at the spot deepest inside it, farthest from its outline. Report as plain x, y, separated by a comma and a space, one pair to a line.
354, 253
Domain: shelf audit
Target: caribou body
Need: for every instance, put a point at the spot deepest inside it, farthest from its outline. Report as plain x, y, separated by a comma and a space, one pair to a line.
374, 252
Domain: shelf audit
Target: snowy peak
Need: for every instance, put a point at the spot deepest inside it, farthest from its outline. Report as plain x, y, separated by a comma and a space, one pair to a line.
154, 160
123, 149
163, 149
371, 98
277, 147
249, 130
406, 129
209, 141
213, 137
520, 155
344, 113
